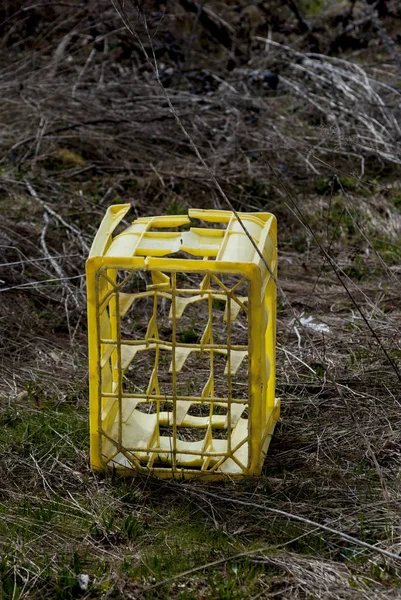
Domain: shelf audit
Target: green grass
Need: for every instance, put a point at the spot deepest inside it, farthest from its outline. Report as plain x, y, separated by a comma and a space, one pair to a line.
122, 532
312, 7
388, 250
44, 431
329, 185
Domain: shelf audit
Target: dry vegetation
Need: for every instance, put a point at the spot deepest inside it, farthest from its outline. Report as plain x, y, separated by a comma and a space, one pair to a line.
86, 122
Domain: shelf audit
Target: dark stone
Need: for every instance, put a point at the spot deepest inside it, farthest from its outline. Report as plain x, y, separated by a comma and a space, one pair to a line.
267, 79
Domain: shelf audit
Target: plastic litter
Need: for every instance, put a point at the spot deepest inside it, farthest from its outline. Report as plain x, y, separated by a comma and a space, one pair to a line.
206, 405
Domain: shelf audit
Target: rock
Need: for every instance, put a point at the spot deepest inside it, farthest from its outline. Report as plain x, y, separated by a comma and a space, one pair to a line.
264, 78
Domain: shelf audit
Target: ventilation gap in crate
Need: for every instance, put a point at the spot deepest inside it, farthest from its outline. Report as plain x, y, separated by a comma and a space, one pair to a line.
219, 433
148, 408
190, 434
134, 282
164, 318
199, 410
194, 375
219, 409
189, 281
220, 379
138, 374
165, 378
240, 381
192, 319
137, 321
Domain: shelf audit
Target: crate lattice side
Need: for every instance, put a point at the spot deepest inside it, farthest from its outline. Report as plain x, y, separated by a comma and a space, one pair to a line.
156, 426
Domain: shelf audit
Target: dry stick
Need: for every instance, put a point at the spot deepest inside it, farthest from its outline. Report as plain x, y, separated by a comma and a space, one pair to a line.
69, 128
298, 213
361, 231
59, 53
387, 40
81, 73
53, 213
333, 265
304, 520
53, 262
34, 260
41, 282
371, 246
206, 566
46, 252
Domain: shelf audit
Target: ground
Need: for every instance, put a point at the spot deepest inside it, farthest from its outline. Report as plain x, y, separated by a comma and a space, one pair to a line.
86, 123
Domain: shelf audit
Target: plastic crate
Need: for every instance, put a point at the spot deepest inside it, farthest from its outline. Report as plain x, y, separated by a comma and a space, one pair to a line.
182, 327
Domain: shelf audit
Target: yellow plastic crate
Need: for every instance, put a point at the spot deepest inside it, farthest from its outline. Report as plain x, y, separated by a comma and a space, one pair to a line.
182, 328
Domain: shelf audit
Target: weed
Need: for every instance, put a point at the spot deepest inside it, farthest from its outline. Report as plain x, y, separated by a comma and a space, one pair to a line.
329, 185
175, 208
388, 250
132, 527
311, 7
189, 335
67, 586
357, 270
218, 304
64, 430
397, 199
300, 243
63, 159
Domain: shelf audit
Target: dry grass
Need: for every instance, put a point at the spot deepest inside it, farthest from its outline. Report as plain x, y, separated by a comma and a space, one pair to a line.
84, 125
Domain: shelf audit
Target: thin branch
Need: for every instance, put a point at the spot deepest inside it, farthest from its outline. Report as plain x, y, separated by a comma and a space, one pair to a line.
333, 265
306, 521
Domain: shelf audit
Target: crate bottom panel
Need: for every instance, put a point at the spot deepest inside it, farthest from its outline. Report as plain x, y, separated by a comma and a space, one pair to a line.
143, 449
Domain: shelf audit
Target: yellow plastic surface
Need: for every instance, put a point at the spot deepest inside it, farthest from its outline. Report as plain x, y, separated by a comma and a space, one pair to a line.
164, 399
